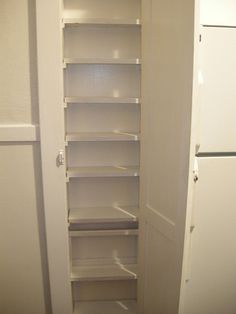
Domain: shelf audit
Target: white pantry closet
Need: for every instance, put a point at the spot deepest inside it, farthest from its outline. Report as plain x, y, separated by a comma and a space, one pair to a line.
123, 145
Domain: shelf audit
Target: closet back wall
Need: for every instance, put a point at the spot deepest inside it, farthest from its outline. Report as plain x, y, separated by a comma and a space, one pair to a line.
23, 262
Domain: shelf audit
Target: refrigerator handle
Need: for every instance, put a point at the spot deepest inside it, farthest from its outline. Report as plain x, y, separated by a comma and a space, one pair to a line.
192, 221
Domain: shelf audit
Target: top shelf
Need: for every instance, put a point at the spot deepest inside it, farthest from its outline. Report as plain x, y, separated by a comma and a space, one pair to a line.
101, 21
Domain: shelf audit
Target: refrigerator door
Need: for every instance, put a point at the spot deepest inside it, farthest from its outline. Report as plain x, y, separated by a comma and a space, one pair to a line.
218, 12
218, 90
211, 288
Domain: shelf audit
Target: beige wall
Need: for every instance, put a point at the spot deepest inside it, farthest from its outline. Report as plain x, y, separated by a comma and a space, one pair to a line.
23, 266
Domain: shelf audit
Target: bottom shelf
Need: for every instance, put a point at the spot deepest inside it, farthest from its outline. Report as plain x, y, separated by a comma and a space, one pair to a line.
106, 307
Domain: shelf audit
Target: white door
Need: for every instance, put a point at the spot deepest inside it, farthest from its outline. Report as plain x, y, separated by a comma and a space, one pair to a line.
166, 115
218, 12
211, 288
218, 91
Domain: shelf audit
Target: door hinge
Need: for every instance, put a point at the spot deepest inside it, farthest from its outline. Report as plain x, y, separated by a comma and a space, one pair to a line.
61, 158
200, 38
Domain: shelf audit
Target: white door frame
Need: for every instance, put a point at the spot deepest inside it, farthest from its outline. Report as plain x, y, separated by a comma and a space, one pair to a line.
50, 89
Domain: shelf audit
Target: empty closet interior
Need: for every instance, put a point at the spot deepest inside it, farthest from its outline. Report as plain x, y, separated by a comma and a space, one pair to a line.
112, 224
101, 70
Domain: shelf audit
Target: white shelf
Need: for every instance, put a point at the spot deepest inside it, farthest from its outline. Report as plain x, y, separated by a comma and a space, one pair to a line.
112, 171
101, 136
106, 307
103, 233
101, 100
114, 214
102, 21
103, 272
134, 61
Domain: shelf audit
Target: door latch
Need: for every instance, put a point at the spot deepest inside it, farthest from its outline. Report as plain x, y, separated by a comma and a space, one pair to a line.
61, 158
195, 170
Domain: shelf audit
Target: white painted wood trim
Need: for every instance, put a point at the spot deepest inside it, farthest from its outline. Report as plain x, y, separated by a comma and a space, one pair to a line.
51, 112
193, 150
19, 133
